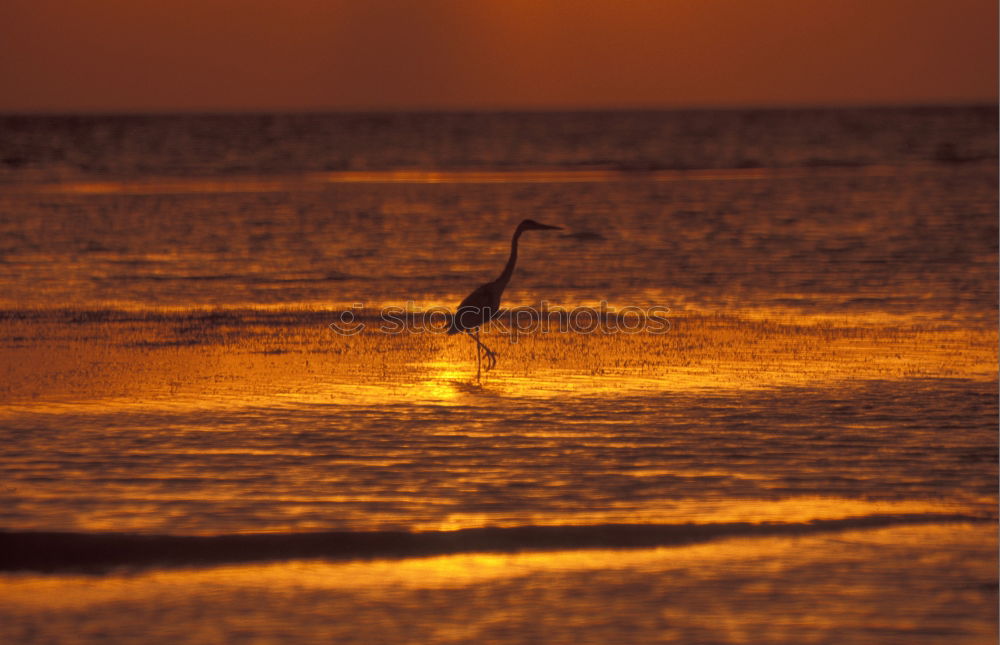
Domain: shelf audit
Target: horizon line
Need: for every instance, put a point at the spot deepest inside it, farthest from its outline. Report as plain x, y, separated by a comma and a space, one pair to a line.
503, 109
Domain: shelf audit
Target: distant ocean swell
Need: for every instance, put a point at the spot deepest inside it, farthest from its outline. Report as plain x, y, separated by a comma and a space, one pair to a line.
96, 552
168, 185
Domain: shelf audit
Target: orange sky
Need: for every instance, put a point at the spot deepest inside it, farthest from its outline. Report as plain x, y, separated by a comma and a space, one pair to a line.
107, 55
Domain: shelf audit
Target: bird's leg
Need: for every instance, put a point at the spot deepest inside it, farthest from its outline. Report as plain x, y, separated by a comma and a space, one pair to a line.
490, 355
479, 356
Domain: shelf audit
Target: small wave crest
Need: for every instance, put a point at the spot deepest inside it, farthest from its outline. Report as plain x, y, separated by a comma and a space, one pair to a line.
51, 551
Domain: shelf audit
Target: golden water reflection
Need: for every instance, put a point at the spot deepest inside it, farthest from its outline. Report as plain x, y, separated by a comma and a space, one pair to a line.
707, 511
194, 360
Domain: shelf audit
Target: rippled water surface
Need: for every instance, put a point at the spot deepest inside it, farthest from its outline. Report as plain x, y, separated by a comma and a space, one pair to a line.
802, 449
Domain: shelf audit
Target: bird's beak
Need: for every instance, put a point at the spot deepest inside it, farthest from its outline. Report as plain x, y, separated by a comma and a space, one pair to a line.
546, 227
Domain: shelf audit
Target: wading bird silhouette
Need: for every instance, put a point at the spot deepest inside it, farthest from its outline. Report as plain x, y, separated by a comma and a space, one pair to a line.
483, 304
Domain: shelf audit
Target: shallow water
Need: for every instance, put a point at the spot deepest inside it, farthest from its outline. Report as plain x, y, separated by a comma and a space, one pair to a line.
803, 450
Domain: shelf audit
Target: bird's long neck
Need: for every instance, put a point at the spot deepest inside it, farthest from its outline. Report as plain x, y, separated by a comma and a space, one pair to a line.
508, 270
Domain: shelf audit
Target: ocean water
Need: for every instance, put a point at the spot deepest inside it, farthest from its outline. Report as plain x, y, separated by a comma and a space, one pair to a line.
747, 394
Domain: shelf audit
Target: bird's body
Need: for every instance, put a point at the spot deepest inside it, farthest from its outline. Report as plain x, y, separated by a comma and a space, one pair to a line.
478, 308
483, 304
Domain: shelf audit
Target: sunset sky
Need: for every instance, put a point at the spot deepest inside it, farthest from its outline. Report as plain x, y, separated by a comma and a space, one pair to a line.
124, 55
